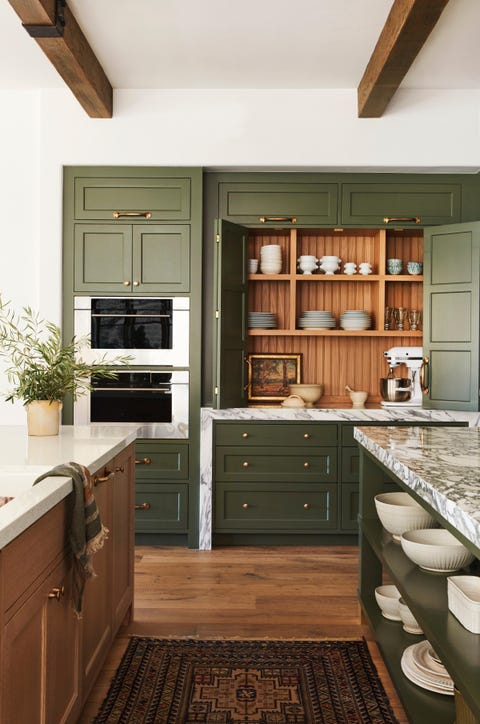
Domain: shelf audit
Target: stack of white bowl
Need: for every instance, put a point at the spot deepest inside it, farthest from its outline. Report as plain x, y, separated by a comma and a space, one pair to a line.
355, 319
317, 319
262, 320
271, 259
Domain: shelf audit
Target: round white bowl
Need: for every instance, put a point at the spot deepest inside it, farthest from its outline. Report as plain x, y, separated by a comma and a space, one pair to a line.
410, 623
399, 512
435, 550
309, 393
387, 598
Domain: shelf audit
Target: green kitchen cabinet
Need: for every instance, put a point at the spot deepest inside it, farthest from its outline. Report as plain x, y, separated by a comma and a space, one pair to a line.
122, 259
400, 204
451, 333
287, 202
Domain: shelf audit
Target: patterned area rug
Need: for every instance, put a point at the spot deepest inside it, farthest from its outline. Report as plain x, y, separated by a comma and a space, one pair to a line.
165, 681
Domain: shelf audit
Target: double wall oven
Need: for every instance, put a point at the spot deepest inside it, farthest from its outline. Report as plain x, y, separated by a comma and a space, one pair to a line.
154, 332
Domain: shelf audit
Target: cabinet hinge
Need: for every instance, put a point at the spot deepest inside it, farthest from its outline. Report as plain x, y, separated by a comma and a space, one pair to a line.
217, 238
216, 390
217, 314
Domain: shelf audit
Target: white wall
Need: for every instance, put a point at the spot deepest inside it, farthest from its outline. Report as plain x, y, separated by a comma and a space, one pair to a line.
40, 132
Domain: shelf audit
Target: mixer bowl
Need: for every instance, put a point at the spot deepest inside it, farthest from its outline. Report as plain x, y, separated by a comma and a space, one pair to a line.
395, 389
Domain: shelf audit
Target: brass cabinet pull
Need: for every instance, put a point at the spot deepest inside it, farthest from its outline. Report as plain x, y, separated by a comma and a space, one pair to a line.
307, 436
290, 219
136, 284
119, 469
306, 465
425, 375
408, 219
245, 464
57, 592
145, 461
306, 506
245, 434
142, 506
126, 283
245, 506
103, 478
129, 214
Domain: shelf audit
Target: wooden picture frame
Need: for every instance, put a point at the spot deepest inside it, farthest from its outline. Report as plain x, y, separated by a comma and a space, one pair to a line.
269, 375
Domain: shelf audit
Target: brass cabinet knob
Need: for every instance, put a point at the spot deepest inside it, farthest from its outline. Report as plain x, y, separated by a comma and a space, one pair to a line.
144, 461
119, 469
306, 506
57, 592
126, 283
245, 464
245, 434
136, 284
306, 465
245, 506
307, 436
142, 506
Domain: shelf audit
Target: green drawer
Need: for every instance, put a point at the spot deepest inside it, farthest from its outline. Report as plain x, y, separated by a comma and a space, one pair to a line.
271, 463
163, 508
275, 507
279, 433
161, 461
165, 198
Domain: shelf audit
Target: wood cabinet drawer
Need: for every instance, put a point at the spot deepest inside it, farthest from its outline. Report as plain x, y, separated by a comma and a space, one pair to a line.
369, 203
165, 198
161, 461
276, 507
264, 433
270, 463
163, 508
308, 203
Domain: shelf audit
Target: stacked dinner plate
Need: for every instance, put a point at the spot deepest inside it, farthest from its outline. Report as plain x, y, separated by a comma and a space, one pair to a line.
421, 665
355, 319
317, 319
262, 320
271, 259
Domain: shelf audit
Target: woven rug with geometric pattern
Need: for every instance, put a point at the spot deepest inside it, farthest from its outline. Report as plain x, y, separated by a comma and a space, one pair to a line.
186, 681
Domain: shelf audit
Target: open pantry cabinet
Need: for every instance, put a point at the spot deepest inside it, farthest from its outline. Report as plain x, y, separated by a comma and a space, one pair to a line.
334, 357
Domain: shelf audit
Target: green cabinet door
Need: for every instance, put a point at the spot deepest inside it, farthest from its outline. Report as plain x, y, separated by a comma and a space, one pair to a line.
451, 316
103, 258
302, 203
367, 204
230, 347
161, 258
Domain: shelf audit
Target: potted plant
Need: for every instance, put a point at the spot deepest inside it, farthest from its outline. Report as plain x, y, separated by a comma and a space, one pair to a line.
43, 369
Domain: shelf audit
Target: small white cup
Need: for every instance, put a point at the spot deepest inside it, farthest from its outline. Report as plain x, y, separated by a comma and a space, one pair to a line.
365, 268
252, 266
350, 267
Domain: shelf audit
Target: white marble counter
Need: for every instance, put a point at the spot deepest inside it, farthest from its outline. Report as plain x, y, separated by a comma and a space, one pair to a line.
441, 465
23, 458
383, 414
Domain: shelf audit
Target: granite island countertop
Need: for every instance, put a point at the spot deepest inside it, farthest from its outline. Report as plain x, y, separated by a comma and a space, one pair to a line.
23, 458
441, 465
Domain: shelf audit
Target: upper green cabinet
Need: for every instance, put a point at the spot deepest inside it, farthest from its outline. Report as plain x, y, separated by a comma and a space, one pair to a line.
143, 197
300, 203
401, 204
132, 258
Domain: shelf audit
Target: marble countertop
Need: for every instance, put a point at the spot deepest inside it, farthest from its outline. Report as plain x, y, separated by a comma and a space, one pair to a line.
441, 465
23, 458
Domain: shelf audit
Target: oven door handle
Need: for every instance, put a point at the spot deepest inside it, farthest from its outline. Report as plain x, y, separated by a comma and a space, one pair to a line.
132, 316
131, 389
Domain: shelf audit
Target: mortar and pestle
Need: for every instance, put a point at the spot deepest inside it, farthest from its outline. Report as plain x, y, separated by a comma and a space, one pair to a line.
357, 398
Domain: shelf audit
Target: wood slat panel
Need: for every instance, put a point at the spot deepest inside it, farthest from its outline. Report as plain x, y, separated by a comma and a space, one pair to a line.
348, 245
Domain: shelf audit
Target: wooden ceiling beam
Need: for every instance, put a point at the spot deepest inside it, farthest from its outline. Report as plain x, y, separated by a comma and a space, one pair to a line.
70, 54
406, 29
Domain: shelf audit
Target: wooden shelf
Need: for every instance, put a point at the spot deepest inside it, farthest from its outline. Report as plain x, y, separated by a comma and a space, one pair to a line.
328, 278
332, 333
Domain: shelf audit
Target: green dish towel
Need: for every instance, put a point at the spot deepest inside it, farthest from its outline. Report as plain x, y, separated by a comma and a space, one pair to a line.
86, 533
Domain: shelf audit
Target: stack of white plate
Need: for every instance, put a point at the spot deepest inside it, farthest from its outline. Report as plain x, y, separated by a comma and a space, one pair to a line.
262, 320
355, 319
421, 665
271, 259
317, 319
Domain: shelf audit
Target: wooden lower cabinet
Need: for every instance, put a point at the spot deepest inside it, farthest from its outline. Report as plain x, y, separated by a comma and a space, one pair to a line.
49, 658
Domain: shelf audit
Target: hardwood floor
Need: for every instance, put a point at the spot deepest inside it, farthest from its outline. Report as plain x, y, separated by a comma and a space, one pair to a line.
244, 592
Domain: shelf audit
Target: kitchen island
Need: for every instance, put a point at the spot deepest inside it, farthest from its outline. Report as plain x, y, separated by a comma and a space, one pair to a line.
440, 468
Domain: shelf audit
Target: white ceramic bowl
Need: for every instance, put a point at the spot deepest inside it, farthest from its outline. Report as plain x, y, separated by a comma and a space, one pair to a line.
399, 512
309, 393
410, 623
435, 550
387, 598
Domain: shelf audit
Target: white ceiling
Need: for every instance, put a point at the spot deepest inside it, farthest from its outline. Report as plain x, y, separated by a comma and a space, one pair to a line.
249, 44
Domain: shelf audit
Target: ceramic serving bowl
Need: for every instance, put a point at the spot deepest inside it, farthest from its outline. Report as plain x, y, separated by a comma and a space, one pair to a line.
387, 598
414, 267
394, 266
399, 512
435, 550
309, 393
410, 623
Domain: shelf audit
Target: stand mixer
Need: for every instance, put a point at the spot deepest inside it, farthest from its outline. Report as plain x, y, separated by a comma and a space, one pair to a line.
412, 358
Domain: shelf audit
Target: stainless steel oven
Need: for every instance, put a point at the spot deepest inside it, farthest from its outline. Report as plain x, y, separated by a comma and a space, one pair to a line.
155, 399
152, 330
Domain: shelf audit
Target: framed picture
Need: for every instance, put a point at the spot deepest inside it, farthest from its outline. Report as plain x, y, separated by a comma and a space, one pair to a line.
269, 375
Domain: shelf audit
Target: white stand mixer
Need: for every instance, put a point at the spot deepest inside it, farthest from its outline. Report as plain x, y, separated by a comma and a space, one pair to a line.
412, 358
